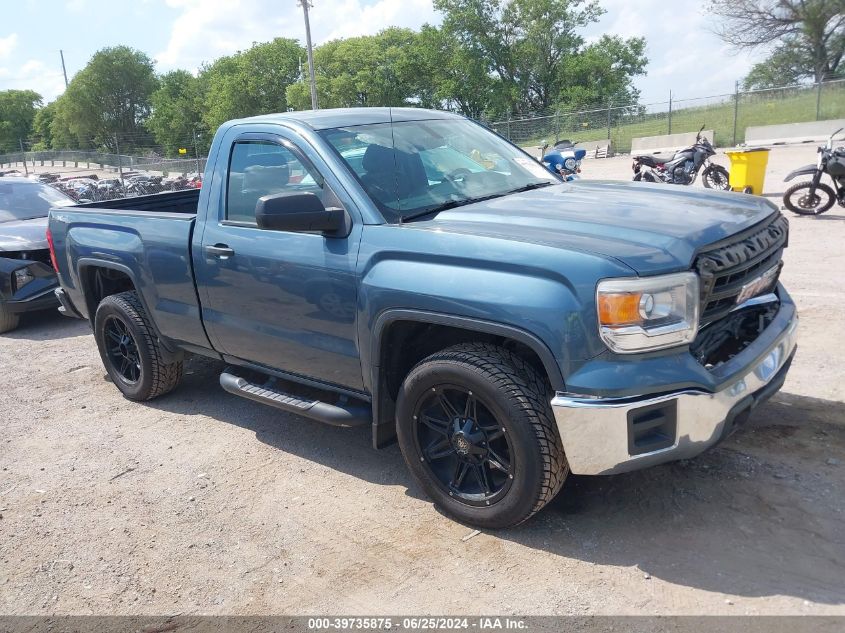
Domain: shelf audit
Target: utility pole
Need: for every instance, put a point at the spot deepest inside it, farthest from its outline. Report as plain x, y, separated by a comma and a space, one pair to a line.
306, 4
23, 156
64, 70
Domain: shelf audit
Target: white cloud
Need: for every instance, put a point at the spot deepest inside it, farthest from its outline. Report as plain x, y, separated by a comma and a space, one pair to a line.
34, 75
207, 29
685, 56
7, 45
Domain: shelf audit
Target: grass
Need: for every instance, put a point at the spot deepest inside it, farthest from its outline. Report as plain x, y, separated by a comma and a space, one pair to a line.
768, 108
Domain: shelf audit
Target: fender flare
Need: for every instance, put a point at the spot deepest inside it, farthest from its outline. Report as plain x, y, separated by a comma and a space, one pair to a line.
89, 262
383, 431
471, 324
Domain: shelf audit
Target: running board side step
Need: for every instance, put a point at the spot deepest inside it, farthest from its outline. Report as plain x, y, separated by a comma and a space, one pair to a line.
344, 414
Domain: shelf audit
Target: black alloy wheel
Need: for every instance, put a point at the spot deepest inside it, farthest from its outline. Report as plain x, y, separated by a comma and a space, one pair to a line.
122, 350
476, 429
463, 446
131, 351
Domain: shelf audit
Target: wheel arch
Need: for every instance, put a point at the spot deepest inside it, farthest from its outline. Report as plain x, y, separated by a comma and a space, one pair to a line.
391, 359
99, 279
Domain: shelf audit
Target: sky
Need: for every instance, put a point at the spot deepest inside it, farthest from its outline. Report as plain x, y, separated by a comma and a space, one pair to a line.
684, 55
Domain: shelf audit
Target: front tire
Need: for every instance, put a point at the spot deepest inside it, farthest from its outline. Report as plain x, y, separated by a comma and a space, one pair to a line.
799, 201
130, 350
716, 177
475, 427
8, 320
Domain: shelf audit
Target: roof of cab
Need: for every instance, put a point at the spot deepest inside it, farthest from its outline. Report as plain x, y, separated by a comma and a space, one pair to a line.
343, 117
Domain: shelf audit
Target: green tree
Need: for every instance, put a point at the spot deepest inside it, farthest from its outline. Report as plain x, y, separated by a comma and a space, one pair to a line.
41, 133
372, 70
250, 82
17, 113
108, 101
808, 37
602, 73
533, 50
453, 76
176, 119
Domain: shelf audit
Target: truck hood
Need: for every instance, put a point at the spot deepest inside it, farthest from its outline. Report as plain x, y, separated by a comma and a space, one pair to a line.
23, 235
651, 228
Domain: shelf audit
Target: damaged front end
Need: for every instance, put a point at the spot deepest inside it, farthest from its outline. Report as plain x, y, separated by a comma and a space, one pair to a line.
722, 340
27, 281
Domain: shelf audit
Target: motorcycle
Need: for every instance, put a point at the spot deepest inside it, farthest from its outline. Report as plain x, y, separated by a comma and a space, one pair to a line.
683, 167
564, 160
804, 198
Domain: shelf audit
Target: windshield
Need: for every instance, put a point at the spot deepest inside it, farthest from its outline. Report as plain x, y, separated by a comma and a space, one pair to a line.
27, 200
410, 167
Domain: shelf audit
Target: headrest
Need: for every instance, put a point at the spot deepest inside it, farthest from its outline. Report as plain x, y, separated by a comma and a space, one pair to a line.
266, 178
378, 158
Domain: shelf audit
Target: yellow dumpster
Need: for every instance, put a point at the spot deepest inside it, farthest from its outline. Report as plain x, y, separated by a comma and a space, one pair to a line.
748, 169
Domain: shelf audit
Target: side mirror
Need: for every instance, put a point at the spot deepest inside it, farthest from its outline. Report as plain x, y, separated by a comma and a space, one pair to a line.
299, 212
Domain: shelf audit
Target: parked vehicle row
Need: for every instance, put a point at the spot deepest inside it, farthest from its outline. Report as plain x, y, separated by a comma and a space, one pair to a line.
93, 189
410, 271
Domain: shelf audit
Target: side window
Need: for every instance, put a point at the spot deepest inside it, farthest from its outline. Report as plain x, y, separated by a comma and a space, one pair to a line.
260, 168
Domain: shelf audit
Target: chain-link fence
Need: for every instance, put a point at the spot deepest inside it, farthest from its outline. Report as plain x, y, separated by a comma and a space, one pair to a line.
727, 115
91, 161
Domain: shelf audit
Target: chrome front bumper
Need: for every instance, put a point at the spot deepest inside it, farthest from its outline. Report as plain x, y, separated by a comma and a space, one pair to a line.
597, 433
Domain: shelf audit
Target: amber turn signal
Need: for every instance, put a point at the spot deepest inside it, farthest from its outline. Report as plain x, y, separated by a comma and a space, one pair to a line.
616, 309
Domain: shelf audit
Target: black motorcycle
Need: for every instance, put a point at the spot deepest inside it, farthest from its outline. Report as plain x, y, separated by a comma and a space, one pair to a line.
683, 167
813, 197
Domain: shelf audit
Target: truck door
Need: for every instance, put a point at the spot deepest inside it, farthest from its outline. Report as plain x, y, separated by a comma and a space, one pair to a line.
283, 300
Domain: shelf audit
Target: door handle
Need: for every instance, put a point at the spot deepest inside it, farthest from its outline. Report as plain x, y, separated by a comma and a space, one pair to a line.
219, 250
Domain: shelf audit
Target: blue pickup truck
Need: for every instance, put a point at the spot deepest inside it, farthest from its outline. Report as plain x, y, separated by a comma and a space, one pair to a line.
410, 270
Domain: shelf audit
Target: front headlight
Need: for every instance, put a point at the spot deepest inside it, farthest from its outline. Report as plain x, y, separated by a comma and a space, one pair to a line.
641, 314
22, 277
570, 164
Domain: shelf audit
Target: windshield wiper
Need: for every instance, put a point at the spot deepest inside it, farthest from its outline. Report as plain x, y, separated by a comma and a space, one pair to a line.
529, 187
451, 204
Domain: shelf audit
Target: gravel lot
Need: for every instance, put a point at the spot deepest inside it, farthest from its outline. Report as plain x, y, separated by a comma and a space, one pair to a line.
202, 502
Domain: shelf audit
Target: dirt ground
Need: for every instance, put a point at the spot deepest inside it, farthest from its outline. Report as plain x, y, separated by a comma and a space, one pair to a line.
204, 503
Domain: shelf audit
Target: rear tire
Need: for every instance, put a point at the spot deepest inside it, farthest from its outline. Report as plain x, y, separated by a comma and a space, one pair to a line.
506, 444
799, 201
716, 177
130, 350
8, 320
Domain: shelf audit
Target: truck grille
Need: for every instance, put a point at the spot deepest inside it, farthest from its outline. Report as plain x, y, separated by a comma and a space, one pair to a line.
725, 268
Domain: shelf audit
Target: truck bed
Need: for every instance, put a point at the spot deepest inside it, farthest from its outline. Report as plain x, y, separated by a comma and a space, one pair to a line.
146, 239
169, 202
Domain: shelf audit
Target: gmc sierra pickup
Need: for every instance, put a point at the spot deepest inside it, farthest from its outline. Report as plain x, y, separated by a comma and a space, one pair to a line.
410, 270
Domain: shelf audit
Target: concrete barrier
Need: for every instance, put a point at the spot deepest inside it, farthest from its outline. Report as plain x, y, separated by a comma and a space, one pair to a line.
806, 132
597, 149
666, 143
